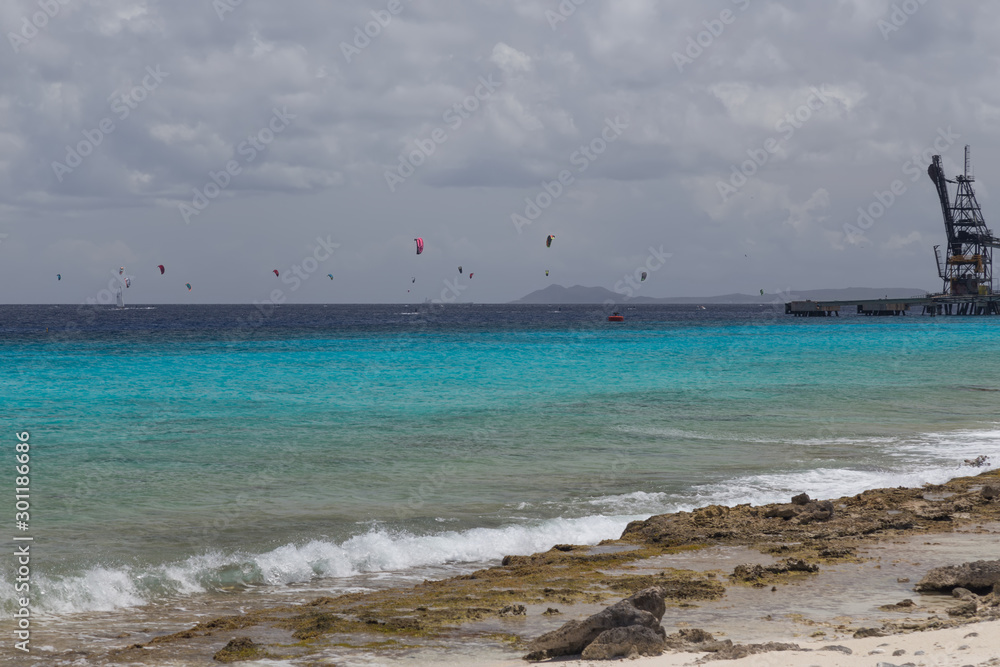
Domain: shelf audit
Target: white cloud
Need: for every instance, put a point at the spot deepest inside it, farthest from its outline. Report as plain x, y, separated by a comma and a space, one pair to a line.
509, 59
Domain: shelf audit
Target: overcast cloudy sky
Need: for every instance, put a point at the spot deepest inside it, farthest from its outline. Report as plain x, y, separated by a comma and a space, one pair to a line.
226, 138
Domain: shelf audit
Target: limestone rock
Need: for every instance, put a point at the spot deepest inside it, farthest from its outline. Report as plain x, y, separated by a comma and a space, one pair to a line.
802, 510
623, 642
902, 605
755, 572
737, 651
649, 599
869, 632
965, 609
514, 610
241, 648
838, 648
693, 639
978, 462
981, 576
644, 608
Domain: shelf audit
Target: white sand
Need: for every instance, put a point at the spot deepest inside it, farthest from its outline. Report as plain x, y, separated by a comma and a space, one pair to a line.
952, 647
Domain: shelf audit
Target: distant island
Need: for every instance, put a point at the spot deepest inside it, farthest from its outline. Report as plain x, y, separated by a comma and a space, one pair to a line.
557, 294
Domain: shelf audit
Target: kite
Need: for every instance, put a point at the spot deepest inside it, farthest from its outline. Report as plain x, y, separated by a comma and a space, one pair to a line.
470, 275
459, 269
121, 270
188, 286
330, 276
58, 276
546, 272
162, 270
548, 241
276, 272
643, 276
420, 245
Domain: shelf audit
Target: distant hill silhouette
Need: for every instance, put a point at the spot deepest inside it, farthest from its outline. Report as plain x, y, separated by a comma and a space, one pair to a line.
579, 294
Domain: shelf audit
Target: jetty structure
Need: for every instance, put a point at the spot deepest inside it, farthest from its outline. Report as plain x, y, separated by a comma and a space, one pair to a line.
967, 270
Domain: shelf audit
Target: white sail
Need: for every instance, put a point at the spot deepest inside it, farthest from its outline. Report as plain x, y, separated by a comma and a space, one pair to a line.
121, 299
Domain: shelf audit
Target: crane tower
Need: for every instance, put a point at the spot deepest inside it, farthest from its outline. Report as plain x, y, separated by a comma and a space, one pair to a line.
968, 264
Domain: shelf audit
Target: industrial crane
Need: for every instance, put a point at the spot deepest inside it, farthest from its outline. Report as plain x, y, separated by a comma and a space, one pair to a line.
968, 266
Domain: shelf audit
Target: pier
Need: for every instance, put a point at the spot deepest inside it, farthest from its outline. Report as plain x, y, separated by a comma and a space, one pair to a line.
931, 304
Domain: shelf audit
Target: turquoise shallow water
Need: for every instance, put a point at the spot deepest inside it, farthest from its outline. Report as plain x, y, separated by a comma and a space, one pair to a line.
177, 452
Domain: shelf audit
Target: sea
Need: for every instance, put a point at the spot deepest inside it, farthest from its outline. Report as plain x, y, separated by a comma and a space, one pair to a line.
189, 460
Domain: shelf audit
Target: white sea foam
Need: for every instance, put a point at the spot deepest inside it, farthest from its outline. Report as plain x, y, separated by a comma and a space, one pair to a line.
378, 550
929, 458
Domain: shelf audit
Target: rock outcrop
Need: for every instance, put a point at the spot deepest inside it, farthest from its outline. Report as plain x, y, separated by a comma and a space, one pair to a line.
239, 649
696, 640
641, 610
870, 513
981, 577
802, 510
633, 640
737, 651
752, 572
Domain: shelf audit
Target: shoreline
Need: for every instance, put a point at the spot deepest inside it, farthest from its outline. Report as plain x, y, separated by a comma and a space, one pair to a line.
869, 550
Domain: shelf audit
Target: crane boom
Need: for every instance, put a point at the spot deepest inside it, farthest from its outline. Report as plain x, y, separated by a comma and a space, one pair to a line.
937, 175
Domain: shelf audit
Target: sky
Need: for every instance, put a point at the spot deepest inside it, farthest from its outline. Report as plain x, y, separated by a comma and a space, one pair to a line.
721, 146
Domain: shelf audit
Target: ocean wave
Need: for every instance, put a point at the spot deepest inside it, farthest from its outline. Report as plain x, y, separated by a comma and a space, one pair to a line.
637, 502
106, 588
683, 434
926, 458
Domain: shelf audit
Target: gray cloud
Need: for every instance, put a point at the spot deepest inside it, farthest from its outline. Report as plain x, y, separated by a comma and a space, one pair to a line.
691, 119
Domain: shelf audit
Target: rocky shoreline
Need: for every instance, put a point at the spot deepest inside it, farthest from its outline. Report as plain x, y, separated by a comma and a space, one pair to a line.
514, 606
